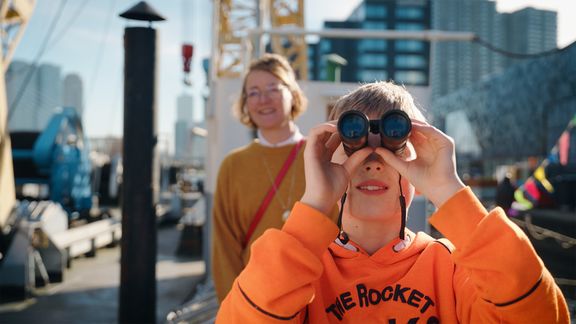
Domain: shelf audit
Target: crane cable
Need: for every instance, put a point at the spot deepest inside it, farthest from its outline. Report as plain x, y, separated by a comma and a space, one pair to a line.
66, 27
101, 48
478, 40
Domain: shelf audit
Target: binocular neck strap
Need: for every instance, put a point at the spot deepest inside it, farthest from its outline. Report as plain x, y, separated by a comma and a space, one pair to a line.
342, 236
402, 200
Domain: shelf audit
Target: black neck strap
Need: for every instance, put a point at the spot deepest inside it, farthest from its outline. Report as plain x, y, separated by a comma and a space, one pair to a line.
402, 200
343, 237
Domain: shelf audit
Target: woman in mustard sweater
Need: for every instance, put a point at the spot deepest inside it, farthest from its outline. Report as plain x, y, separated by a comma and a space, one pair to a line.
372, 269
250, 197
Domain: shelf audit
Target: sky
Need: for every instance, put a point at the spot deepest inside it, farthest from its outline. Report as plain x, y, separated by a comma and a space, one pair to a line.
87, 40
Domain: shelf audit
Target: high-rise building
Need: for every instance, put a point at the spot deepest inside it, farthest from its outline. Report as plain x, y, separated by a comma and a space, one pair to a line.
182, 140
456, 64
404, 61
452, 64
49, 92
459, 64
33, 94
73, 93
199, 144
530, 31
182, 128
185, 108
22, 99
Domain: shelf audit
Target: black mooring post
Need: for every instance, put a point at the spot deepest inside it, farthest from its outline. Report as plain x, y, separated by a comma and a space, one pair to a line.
139, 239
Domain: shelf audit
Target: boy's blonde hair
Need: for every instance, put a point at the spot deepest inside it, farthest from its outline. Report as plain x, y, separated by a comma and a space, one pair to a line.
374, 99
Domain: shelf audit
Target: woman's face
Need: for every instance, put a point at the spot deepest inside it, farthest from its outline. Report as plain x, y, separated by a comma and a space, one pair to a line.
373, 190
268, 100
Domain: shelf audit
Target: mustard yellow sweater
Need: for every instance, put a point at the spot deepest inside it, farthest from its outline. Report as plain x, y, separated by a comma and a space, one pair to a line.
244, 178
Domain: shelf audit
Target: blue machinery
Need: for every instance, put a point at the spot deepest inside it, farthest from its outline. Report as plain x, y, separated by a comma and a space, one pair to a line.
59, 158
37, 242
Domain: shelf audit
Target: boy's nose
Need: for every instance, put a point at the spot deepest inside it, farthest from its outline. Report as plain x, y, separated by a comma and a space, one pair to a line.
373, 162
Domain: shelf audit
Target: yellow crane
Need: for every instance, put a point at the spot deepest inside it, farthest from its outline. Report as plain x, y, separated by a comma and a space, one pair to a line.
14, 17
234, 18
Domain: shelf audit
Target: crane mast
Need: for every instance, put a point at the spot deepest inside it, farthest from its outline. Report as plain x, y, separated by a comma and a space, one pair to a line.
14, 17
234, 18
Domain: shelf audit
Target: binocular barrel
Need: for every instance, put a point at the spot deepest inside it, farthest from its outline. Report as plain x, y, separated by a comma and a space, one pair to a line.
353, 127
394, 128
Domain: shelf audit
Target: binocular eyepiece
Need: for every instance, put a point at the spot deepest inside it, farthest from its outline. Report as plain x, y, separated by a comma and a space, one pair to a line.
394, 128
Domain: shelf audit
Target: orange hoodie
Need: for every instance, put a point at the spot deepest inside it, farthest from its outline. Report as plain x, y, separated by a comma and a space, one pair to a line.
493, 275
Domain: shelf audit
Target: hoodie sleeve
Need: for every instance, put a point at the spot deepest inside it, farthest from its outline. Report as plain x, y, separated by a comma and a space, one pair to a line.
499, 277
268, 290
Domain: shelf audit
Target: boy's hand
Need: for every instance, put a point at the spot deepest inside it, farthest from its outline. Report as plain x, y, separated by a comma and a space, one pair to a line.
433, 172
326, 181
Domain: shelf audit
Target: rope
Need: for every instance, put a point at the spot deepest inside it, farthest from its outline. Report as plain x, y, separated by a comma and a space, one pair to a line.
540, 233
565, 282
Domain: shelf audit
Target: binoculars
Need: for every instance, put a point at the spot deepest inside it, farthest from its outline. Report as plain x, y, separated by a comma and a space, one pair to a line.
394, 128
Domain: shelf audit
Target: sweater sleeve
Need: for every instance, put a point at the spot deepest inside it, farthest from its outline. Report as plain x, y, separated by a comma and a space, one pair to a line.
267, 290
499, 277
226, 245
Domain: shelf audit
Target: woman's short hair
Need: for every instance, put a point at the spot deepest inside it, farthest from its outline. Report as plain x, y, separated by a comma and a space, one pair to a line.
374, 99
278, 66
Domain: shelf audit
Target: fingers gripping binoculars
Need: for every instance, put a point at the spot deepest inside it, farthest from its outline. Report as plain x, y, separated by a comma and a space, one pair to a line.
394, 128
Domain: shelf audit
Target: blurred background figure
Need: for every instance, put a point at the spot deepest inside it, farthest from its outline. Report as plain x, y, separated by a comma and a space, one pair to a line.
505, 192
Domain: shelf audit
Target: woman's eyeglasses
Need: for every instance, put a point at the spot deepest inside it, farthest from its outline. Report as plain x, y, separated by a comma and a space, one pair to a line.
271, 92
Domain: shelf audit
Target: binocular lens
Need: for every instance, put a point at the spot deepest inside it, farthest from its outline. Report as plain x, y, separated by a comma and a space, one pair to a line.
353, 127
394, 128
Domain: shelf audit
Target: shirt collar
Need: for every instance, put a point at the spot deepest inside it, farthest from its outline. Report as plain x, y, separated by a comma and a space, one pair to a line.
294, 138
397, 247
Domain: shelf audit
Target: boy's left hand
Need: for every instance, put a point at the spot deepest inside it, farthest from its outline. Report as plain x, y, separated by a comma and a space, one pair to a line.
433, 172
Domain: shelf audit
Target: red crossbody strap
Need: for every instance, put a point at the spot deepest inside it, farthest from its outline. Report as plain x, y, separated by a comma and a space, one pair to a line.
264, 205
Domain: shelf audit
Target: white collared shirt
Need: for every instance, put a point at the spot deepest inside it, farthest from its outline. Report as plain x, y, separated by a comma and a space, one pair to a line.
293, 139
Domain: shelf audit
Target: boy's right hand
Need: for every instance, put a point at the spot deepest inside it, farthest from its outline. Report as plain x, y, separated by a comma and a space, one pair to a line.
327, 181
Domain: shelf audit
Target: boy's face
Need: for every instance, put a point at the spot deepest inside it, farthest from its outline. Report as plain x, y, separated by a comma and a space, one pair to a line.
373, 190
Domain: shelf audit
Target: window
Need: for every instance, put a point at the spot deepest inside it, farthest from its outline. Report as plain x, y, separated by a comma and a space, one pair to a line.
409, 13
325, 46
374, 10
372, 45
378, 25
410, 61
371, 75
409, 26
409, 45
373, 60
410, 77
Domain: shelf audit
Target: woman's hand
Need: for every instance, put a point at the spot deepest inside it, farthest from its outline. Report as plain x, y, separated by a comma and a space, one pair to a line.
327, 181
433, 172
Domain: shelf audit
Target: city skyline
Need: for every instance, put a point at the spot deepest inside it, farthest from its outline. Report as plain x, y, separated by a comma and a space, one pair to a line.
91, 47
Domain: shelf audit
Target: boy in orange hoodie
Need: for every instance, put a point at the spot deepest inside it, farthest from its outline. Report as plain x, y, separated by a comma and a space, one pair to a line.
370, 268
